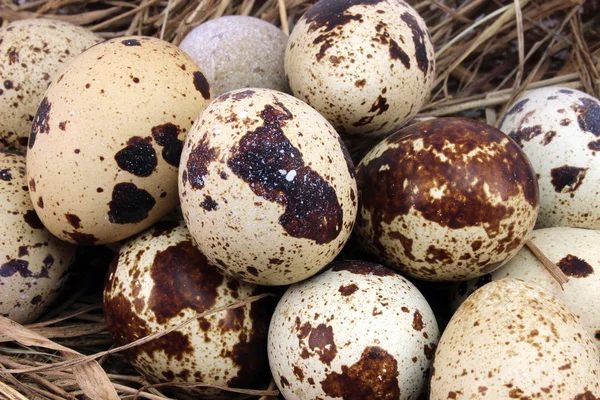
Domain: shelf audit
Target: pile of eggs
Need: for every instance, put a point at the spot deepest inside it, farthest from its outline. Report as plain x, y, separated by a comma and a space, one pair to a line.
220, 170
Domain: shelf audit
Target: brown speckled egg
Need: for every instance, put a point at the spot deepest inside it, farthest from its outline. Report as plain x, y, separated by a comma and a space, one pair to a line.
367, 66
576, 252
559, 130
515, 340
33, 263
31, 52
160, 279
357, 331
267, 187
446, 199
106, 140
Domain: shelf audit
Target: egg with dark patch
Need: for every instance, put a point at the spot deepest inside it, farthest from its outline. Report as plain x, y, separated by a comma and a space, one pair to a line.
106, 140
33, 263
31, 53
356, 331
366, 65
160, 279
513, 339
267, 187
576, 252
559, 130
446, 199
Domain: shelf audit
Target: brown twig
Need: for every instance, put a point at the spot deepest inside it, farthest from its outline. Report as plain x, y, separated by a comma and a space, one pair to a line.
556, 272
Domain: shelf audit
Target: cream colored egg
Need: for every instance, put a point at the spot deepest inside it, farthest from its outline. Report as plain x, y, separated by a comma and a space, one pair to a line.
160, 279
267, 187
107, 138
559, 130
357, 331
31, 52
33, 263
513, 339
367, 66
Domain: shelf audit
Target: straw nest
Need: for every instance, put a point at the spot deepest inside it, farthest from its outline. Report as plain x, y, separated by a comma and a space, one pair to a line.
488, 53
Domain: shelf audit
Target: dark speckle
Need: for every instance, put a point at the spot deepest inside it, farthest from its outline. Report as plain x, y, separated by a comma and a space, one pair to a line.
8, 85
418, 37
36, 300
209, 204
5, 175
41, 121
198, 161
380, 106
396, 53
417, 323
138, 158
129, 204
201, 85
525, 134
252, 270
73, 220
85, 239
40, 202
567, 179
33, 220
575, 266
518, 107
589, 115
131, 42
166, 136
284, 382
566, 91
15, 266
348, 289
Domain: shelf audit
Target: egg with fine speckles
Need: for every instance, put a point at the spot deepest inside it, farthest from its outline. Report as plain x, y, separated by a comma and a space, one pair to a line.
31, 53
513, 339
356, 331
446, 199
267, 187
33, 263
160, 279
366, 65
106, 140
559, 130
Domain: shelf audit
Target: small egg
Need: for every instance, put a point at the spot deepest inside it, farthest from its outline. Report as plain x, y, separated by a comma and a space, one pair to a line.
160, 279
446, 199
356, 331
238, 51
31, 53
267, 187
513, 339
33, 263
366, 66
559, 130
106, 140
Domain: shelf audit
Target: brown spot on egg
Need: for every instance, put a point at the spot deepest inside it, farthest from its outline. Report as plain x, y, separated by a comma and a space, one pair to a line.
275, 170
73, 220
588, 115
594, 145
548, 137
201, 84
8, 84
14, 266
418, 37
82, 238
567, 179
233, 320
129, 204
198, 161
242, 95
396, 53
429, 350
209, 204
13, 55
33, 220
374, 376
525, 134
131, 42
360, 83
322, 343
361, 268
284, 382
165, 136
417, 323
299, 373
587, 395
252, 270
5, 175
575, 266
380, 106
32, 185
138, 158
348, 290
36, 300
565, 122
41, 121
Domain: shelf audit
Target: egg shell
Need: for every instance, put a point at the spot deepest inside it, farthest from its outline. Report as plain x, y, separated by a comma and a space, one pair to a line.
559, 130
577, 253
160, 279
513, 339
267, 187
107, 138
33, 263
238, 51
446, 199
31, 53
356, 331
366, 65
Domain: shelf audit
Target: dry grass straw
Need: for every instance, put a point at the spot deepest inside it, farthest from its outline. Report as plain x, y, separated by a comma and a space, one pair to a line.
488, 53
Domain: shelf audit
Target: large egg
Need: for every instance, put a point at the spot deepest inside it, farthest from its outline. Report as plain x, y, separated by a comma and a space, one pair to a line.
576, 252
33, 263
160, 279
515, 340
367, 66
31, 53
446, 199
267, 187
106, 140
357, 331
559, 130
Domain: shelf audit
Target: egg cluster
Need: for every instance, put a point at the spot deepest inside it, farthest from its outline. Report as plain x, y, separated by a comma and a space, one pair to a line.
228, 174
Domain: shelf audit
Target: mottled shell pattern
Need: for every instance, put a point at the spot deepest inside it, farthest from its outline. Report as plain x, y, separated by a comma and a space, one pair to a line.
106, 141
513, 339
559, 130
160, 279
267, 188
33, 263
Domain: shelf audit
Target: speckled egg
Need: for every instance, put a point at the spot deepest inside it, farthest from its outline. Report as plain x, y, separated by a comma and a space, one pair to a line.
515, 340
267, 187
367, 66
559, 130
33, 263
160, 279
106, 140
577, 253
31, 53
446, 199
356, 331
237, 51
